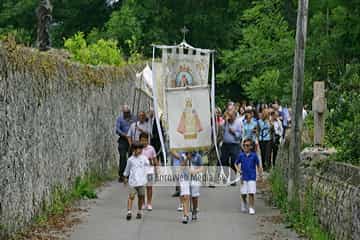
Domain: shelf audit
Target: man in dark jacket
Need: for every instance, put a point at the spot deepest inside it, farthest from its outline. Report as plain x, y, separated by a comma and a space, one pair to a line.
122, 126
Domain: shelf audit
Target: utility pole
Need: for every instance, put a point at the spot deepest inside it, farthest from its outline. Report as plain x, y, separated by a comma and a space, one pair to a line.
297, 99
43, 13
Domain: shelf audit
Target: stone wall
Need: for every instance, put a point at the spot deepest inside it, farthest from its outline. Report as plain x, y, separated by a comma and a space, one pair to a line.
56, 123
335, 187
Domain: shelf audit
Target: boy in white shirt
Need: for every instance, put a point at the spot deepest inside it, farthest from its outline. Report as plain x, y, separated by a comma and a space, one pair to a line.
136, 175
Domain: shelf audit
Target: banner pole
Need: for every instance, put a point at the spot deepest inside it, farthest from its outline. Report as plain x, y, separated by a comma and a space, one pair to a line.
213, 113
156, 111
213, 107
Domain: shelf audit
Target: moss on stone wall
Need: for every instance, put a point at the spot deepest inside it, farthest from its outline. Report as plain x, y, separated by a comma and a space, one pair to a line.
51, 64
56, 123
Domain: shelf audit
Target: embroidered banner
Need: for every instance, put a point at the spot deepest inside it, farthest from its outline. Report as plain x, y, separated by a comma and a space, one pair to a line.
189, 118
185, 67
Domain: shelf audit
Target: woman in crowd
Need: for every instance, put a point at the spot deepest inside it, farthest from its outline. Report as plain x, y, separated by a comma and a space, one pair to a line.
249, 129
265, 138
276, 134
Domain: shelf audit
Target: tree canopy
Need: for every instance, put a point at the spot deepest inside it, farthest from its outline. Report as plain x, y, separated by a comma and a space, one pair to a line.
254, 40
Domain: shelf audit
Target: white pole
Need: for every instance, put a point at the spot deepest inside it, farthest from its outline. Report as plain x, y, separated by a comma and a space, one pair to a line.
214, 133
156, 111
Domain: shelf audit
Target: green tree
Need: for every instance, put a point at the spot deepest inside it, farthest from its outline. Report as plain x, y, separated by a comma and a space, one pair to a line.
125, 26
72, 16
258, 88
19, 19
69, 17
211, 22
265, 51
343, 122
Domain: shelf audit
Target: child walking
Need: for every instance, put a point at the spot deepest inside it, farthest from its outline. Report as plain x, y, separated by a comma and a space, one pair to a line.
135, 175
190, 183
149, 152
248, 161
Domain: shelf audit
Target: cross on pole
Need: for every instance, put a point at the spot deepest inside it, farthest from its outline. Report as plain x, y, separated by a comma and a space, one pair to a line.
184, 30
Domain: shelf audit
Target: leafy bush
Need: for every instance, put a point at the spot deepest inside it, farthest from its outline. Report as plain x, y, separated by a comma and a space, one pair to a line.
20, 35
99, 53
343, 122
83, 189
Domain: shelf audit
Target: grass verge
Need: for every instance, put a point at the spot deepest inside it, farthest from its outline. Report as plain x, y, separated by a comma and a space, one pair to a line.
301, 217
61, 200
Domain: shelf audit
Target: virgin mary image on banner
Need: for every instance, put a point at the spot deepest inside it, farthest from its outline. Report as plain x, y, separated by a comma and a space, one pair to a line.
189, 125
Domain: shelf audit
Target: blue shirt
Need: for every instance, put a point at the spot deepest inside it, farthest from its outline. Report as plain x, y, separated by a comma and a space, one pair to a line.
248, 130
264, 130
196, 161
122, 125
248, 165
176, 161
285, 116
229, 137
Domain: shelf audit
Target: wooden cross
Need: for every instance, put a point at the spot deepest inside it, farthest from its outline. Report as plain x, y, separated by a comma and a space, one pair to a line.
184, 30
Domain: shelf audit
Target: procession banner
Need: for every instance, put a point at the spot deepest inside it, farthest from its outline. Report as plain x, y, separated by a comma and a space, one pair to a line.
188, 112
185, 67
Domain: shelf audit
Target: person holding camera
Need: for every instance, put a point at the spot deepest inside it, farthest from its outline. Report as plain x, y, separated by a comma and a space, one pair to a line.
136, 128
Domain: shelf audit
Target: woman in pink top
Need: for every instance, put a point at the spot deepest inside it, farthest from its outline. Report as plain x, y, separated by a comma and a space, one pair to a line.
150, 153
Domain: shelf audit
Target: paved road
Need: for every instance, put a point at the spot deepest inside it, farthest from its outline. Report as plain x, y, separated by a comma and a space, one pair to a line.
219, 218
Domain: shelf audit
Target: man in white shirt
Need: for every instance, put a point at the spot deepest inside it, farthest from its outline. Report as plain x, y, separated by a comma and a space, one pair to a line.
136, 128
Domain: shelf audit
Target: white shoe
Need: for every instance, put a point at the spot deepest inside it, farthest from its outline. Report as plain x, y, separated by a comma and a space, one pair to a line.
149, 207
243, 207
143, 207
251, 211
180, 208
185, 219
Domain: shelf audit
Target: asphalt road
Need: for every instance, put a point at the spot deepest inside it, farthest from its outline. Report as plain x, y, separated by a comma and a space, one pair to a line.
219, 218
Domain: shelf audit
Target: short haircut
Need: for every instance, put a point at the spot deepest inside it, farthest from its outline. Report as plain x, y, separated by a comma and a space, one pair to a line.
136, 145
143, 135
248, 140
248, 111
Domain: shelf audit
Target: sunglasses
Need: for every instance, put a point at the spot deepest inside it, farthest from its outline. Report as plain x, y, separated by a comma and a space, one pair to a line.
247, 145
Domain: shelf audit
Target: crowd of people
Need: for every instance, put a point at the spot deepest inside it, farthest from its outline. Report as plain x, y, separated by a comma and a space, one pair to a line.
248, 135
264, 124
